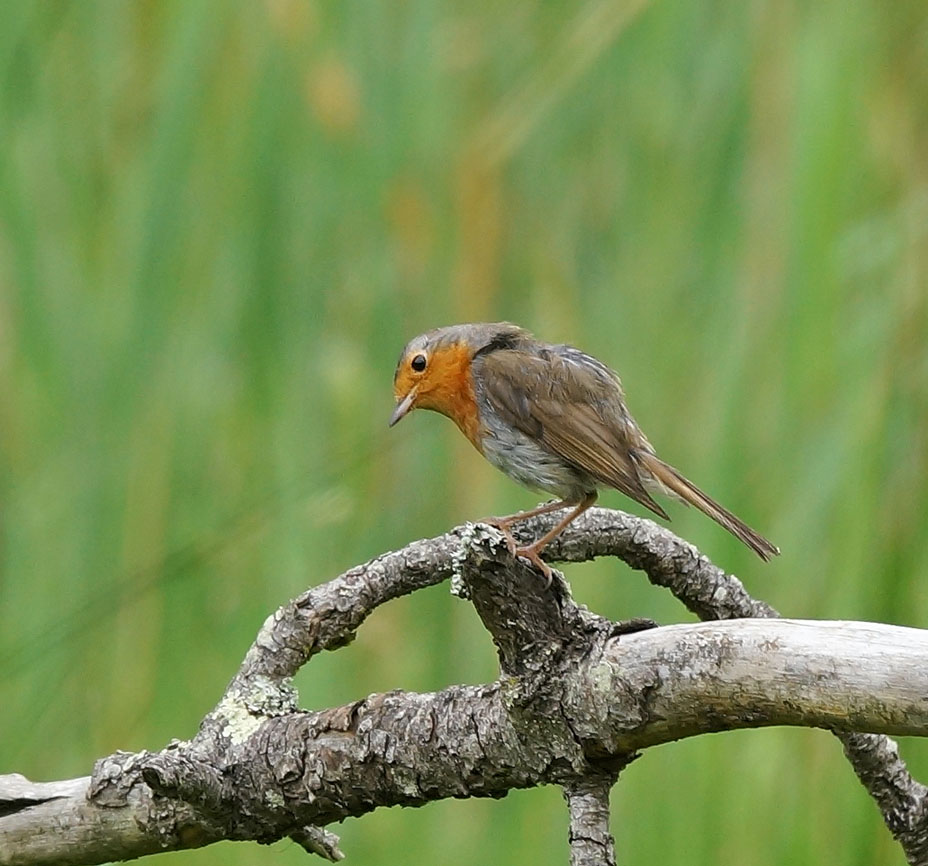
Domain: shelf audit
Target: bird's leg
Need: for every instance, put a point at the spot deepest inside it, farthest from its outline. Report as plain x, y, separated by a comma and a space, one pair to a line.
532, 551
539, 545
503, 523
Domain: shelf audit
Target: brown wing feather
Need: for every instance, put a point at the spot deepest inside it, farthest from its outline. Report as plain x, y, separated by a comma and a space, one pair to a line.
572, 409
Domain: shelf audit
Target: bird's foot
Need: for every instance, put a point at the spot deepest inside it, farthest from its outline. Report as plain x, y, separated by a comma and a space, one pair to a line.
531, 554
502, 524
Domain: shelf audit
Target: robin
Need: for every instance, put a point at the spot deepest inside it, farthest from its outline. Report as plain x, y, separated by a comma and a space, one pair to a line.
551, 417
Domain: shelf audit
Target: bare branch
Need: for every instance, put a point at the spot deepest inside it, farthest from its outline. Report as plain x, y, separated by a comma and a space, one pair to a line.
710, 593
305, 769
578, 696
591, 843
902, 801
667, 560
62, 824
722, 675
327, 616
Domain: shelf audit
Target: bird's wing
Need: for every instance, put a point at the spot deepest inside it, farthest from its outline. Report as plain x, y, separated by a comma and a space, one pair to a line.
574, 406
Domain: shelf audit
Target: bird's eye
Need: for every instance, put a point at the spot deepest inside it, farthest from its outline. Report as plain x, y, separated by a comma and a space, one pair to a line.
418, 363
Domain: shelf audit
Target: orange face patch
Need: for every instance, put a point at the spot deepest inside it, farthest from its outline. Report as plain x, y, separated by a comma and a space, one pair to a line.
444, 386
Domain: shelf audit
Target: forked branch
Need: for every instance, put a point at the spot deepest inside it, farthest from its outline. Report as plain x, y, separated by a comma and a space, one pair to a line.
577, 697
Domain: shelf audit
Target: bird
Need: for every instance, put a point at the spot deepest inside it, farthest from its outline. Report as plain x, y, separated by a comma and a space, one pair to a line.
552, 418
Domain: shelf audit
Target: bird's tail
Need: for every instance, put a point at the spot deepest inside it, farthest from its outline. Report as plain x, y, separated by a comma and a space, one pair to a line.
674, 483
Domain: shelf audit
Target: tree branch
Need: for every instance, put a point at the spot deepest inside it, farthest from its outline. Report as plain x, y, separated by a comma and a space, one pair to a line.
578, 695
710, 593
591, 843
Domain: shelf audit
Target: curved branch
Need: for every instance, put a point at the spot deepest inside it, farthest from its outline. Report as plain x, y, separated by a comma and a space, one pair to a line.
304, 769
327, 616
579, 694
710, 593
639, 690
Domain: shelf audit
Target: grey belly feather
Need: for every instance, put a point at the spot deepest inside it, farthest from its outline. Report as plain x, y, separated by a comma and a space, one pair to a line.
532, 465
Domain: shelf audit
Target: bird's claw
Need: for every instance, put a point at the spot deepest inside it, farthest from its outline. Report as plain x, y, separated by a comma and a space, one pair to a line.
531, 554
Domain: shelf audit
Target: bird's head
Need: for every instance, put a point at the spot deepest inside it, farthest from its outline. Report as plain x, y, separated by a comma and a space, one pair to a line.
434, 370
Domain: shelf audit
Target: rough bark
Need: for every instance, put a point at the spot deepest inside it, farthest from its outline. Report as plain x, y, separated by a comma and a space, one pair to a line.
710, 593
577, 696
591, 843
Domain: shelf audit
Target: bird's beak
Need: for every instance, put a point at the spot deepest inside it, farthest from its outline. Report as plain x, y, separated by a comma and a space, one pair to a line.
403, 407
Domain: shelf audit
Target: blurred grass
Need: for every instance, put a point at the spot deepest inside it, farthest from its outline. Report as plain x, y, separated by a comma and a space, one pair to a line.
219, 223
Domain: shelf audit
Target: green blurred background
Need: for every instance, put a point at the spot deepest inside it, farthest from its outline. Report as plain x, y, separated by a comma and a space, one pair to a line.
220, 222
